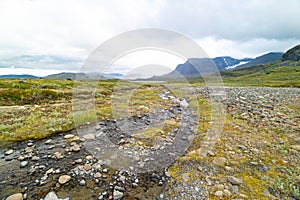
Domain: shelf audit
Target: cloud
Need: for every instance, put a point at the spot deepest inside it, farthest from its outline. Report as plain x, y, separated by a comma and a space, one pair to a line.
73, 29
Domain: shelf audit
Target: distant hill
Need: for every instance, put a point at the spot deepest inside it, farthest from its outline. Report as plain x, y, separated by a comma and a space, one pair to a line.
83, 76
264, 59
25, 76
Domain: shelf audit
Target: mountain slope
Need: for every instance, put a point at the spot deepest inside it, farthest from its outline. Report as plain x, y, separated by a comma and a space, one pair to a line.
292, 54
264, 59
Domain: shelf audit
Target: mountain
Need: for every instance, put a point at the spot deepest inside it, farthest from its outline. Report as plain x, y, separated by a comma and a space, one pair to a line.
25, 76
281, 73
264, 59
193, 66
292, 54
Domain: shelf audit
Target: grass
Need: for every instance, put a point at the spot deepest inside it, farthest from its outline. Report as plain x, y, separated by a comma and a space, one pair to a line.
37, 108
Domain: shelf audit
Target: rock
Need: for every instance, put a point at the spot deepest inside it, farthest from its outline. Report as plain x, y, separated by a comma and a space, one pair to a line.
75, 148
64, 179
21, 158
82, 182
17, 196
220, 161
184, 103
117, 195
122, 178
78, 161
29, 149
242, 147
57, 155
30, 144
69, 136
89, 157
49, 171
9, 152
105, 170
218, 193
23, 164
35, 158
233, 180
48, 141
87, 167
229, 169
53, 196
97, 175
227, 193
89, 136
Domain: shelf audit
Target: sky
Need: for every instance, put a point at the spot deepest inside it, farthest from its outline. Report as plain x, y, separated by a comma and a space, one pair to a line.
59, 35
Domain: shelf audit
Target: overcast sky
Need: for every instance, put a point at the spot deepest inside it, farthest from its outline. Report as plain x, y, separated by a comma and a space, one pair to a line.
60, 34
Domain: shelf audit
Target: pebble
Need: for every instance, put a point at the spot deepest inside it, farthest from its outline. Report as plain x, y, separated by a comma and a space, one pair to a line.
35, 158
75, 148
82, 182
64, 179
53, 196
117, 195
9, 152
89, 157
89, 136
219, 161
17, 196
69, 136
233, 180
218, 193
23, 164
87, 167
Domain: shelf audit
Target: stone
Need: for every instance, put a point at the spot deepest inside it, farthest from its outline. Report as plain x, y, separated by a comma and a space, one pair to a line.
82, 182
117, 195
17, 196
64, 179
49, 171
35, 158
23, 164
57, 155
30, 144
53, 196
227, 193
219, 161
87, 167
69, 136
78, 161
97, 175
218, 194
9, 152
21, 158
233, 180
29, 149
75, 148
89, 136
122, 178
229, 169
89, 157
48, 141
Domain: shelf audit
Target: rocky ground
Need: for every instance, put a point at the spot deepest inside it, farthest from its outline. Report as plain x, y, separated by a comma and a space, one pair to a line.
117, 159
